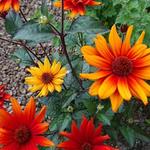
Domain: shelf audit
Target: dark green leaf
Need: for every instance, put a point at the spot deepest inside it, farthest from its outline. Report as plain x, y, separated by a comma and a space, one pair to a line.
104, 119
12, 22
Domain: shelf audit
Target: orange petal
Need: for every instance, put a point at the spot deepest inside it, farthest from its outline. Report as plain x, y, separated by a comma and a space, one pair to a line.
102, 47
143, 73
57, 4
94, 3
115, 41
136, 51
123, 88
116, 101
29, 110
7, 5
108, 87
89, 50
15, 5
95, 76
97, 61
140, 39
40, 128
42, 141
135, 86
39, 118
16, 107
126, 44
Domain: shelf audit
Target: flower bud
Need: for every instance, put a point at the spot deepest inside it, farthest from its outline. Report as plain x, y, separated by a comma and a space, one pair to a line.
43, 20
124, 28
70, 109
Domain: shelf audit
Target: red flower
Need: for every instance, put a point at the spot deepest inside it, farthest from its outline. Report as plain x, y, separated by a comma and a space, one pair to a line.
22, 130
76, 6
5, 5
3, 96
87, 137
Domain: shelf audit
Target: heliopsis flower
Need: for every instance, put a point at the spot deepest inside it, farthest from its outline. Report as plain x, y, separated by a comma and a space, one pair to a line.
46, 77
121, 68
5, 5
22, 129
76, 6
3, 96
86, 137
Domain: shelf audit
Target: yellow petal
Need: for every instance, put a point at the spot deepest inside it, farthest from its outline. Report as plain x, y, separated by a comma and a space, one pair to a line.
57, 81
116, 101
44, 91
32, 80
51, 87
58, 88
35, 71
36, 87
61, 73
47, 65
56, 68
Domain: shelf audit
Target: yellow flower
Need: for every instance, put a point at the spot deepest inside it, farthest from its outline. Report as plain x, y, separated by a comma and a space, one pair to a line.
46, 77
121, 68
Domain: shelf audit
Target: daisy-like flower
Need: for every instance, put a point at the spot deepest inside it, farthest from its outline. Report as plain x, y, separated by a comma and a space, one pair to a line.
86, 137
22, 129
76, 6
5, 5
46, 77
121, 68
3, 95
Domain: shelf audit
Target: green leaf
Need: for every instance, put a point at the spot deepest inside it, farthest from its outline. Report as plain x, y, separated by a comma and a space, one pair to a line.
22, 57
32, 31
90, 105
87, 24
128, 134
12, 22
104, 119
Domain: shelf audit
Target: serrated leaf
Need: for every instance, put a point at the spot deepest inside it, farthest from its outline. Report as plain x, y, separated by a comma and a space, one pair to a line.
87, 24
22, 57
12, 22
32, 31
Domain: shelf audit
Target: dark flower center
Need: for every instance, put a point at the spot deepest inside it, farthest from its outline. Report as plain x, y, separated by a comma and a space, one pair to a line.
47, 78
122, 66
22, 135
86, 146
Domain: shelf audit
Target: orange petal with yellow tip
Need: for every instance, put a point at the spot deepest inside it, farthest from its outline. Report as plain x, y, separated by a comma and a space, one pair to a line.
116, 101
123, 88
141, 38
93, 90
16, 5
108, 87
135, 86
115, 41
126, 44
57, 4
89, 50
95, 76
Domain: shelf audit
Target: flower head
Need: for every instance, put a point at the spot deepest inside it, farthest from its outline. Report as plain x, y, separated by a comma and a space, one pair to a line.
121, 68
76, 6
3, 95
22, 129
46, 77
5, 5
86, 137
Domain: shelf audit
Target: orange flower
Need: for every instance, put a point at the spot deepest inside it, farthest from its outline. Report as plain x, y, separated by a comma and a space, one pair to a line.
22, 130
76, 6
5, 5
86, 137
3, 96
121, 68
